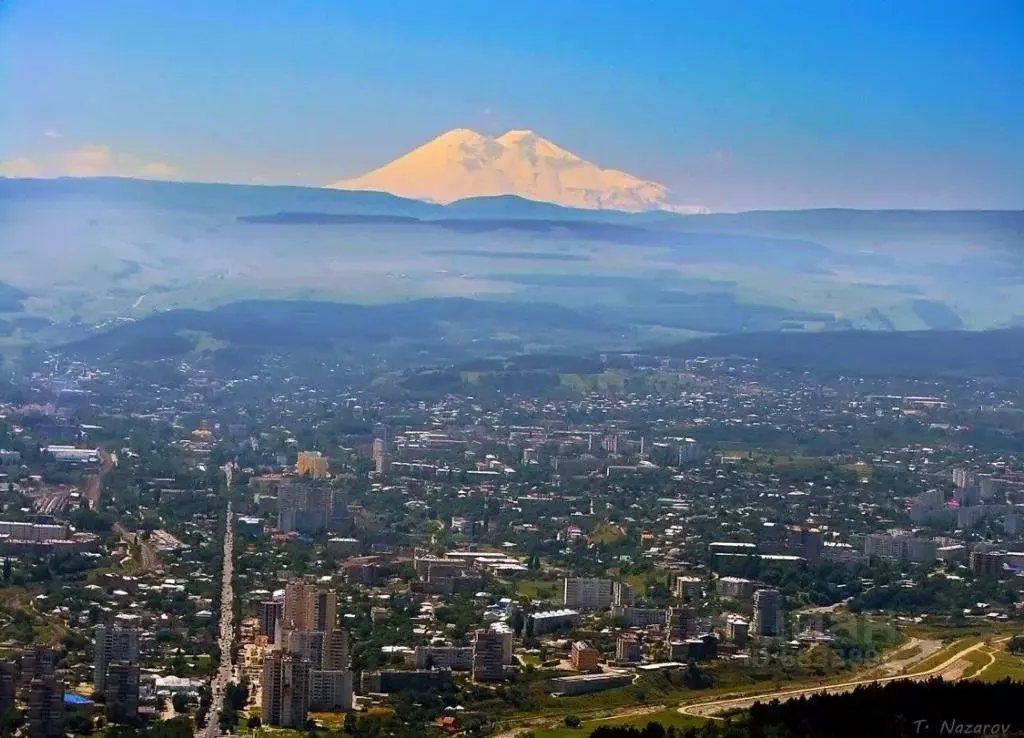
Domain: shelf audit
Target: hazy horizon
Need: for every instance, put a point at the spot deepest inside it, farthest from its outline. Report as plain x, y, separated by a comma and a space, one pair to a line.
772, 106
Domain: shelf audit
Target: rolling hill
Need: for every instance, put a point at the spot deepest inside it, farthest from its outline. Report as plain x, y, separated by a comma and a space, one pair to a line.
88, 253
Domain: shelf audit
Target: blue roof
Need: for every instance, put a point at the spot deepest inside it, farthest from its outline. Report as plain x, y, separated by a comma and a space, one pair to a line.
76, 699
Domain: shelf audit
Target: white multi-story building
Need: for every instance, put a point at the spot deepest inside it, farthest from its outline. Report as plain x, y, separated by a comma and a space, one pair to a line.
113, 643
507, 641
735, 587
688, 587
330, 690
17, 530
587, 593
456, 658
902, 548
550, 621
840, 553
640, 617
768, 612
285, 690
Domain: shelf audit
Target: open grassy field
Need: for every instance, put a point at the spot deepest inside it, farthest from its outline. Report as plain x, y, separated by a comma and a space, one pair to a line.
1006, 666
943, 654
667, 718
540, 589
978, 660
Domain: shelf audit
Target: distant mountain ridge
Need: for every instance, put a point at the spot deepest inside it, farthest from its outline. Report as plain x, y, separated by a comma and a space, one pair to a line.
462, 164
423, 331
91, 251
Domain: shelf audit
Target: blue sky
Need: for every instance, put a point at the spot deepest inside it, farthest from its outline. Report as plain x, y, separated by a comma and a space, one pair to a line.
736, 105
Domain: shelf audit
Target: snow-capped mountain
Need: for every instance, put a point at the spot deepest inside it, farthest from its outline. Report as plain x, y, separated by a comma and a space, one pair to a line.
462, 163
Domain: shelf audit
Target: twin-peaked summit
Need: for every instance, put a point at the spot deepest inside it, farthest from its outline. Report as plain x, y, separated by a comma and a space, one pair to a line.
463, 163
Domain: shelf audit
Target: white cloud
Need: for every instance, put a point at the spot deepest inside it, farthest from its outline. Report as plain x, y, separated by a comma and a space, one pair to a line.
92, 160
158, 170
53, 134
98, 160
88, 161
20, 166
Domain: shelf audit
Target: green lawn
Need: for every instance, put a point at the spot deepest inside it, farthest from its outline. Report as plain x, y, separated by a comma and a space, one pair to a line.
540, 589
978, 660
1007, 666
529, 659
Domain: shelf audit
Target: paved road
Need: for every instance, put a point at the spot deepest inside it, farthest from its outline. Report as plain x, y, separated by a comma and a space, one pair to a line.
149, 560
95, 484
713, 708
223, 677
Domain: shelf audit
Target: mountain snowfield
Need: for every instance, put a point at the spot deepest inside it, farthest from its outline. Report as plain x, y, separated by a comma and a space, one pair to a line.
462, 163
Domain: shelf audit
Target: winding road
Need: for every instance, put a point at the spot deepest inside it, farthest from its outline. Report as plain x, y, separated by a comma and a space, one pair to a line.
947, 669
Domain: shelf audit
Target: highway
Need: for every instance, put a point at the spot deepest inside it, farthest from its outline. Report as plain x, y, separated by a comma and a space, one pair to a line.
223, 677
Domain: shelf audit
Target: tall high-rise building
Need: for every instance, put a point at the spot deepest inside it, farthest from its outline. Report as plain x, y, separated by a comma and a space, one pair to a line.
507, 641
8, 685
311, 463
38, 662
307, 645
330, 690
336, 650
487, 656
682, 623
587, 593
286, 690
381, 456
326, 610
339, 519
629, 648
291, 501
689, 588
121, 690
622, 593
304, 506
768, 612
299, 606
271, 612
382, 432
45, 699
806, 543
963, 478
113, 643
